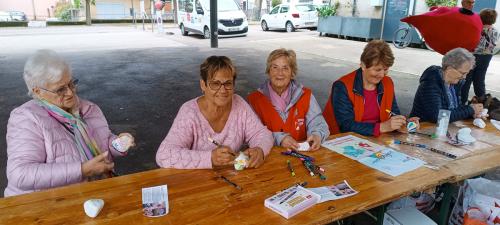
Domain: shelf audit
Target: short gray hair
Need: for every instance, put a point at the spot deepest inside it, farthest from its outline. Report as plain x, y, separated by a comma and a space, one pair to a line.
45, 66
455, 58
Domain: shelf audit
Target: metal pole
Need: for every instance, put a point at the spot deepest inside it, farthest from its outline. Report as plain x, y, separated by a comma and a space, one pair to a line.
213, 24
34, 10
133, 13
384, 11
152, 4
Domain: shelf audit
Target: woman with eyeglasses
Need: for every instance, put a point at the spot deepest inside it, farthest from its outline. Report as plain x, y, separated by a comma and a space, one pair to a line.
440, 88
210, 131
286, 107
57, 138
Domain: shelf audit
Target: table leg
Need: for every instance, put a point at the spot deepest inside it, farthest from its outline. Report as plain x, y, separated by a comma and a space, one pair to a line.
444, 211
380, 214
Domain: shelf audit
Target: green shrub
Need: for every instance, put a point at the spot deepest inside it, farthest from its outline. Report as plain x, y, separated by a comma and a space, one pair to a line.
328, 10
431, 3
275, 3
62, 11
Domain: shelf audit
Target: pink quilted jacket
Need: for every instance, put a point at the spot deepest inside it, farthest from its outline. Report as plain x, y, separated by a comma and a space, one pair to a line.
42, 154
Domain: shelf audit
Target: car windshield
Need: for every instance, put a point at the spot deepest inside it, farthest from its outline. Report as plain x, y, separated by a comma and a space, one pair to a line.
17, 13
222, 5
305, 8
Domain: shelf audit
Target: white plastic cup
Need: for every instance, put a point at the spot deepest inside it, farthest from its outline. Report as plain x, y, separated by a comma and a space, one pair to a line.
443, 122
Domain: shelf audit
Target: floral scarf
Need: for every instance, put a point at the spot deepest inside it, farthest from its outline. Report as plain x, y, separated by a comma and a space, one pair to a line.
76, 125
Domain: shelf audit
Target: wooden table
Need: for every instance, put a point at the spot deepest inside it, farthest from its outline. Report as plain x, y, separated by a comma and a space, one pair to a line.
201, 197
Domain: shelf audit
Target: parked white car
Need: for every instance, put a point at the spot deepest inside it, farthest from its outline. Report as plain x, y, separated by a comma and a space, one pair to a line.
290, 17
5, 16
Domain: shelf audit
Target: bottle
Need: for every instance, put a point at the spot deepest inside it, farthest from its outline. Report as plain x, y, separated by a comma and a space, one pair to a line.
443, 121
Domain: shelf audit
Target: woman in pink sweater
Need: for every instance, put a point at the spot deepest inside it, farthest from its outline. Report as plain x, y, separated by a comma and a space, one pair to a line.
56, 139
219, 115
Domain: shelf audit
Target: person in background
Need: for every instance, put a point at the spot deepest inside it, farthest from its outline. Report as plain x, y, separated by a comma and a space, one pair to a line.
57, 138
440, 88
364, 101
483, 54
467, 6
209, 130
286, 107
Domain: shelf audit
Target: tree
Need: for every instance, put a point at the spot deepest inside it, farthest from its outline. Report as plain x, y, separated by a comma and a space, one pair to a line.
431, 3
87, 11
275, 3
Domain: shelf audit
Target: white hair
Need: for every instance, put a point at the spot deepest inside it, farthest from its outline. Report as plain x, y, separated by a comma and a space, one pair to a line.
457, 57
44, 67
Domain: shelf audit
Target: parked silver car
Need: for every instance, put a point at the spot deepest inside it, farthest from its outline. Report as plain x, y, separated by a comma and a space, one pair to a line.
18, 16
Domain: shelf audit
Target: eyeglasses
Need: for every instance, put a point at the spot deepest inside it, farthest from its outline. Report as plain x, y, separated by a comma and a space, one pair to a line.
462, 74
64, 89
216, 85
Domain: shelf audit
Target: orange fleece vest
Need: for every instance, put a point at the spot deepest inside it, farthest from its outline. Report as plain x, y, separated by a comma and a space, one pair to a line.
358, 102
295, 123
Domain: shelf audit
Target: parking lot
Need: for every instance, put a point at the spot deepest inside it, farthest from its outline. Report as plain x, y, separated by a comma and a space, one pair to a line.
141, 78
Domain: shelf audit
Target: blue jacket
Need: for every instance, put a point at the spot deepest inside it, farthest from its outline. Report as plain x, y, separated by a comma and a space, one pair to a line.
344, 110
431, 96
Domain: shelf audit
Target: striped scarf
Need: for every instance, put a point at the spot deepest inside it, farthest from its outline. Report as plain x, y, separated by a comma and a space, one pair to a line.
75, 124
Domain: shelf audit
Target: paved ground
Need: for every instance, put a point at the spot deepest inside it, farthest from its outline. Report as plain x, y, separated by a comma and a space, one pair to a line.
140, 79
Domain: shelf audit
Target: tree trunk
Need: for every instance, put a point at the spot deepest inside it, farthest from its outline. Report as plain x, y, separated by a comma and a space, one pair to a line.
87, 12
258, 3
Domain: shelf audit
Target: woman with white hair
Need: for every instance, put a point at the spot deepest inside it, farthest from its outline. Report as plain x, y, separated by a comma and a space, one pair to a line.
57, 139
440, 88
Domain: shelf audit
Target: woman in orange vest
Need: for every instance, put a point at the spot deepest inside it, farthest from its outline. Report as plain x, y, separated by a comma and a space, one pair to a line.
363, 101
286, 107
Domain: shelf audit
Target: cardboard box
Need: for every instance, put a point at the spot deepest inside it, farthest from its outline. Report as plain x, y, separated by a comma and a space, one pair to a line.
406, 216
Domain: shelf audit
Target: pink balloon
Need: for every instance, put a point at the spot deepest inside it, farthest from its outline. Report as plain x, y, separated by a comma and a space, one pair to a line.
158, 5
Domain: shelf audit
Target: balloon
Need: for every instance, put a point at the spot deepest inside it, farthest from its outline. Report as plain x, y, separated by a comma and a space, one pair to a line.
159, 5
446, 28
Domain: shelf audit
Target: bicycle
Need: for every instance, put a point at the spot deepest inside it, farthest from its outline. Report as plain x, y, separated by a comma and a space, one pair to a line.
403, 37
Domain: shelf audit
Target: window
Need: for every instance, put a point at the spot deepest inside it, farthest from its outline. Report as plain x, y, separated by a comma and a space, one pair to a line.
275, 10
182, 5
199, 9
189, 7
305, 8
284, 9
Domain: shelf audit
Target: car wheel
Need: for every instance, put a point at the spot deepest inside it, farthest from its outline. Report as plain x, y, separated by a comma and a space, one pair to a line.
206, 33
183, 30
264, 25
289, 27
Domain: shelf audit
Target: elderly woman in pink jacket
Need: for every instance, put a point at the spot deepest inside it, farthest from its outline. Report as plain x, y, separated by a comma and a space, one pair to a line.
209, 130
57, 139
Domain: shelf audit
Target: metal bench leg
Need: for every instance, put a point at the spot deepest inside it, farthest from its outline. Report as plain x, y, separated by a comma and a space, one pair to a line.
444, 211
380, 214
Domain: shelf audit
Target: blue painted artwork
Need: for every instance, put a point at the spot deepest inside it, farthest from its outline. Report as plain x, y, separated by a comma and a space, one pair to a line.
375, 156
352, 151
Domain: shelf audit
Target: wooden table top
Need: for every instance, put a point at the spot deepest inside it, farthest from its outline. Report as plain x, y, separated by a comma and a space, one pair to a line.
200, 197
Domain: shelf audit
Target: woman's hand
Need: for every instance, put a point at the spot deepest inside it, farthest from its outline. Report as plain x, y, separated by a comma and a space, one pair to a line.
315, 141
223, 156
289, 142
394, 123
97, 166
416, 120
256, 157
478, 110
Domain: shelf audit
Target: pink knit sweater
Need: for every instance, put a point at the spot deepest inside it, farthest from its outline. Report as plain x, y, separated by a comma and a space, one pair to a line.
187, 147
